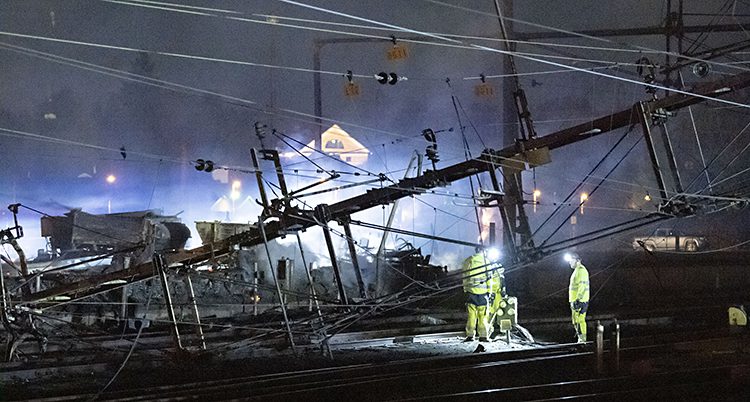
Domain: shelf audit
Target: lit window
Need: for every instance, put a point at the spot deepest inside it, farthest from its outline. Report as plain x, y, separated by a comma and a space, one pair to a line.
335, 144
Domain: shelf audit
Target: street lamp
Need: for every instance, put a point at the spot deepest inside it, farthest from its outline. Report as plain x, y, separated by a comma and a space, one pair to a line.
584, 198
110, 179
235, 194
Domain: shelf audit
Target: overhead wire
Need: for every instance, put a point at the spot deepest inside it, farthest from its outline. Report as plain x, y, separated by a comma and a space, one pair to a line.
470, 37
734, 16
173, 54
447, 37
7, 132
160, 158
617, 164
715, 158
695, 132
272, 19
93, 67
743, 171
439, 37
564, 31
734, 159
704, 35
581, 183
467, 154
185, 7
717, 175
528, 56
172, 86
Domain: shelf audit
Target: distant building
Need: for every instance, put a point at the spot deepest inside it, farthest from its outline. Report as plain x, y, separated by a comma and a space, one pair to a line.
338, 142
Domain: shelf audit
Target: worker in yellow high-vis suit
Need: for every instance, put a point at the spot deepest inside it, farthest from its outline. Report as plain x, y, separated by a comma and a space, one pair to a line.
578, 295
479, 281
498, 294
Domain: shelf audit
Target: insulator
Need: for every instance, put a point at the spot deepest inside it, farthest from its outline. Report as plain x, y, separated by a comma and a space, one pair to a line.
386, 78
260, 130
429, 135
701, 69
392, 78
432, 154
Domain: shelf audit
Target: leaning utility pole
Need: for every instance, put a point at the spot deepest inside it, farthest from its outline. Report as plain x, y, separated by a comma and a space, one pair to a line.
516, 229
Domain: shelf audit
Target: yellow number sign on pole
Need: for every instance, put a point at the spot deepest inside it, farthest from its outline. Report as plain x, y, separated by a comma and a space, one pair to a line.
397, 52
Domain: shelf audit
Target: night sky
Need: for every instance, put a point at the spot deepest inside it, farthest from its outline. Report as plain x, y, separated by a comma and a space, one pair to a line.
142, 89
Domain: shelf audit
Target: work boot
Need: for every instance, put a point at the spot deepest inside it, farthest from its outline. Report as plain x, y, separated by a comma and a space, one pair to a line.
469, 339
483, 339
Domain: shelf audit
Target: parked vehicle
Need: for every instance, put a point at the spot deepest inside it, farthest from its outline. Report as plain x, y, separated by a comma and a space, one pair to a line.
670, 240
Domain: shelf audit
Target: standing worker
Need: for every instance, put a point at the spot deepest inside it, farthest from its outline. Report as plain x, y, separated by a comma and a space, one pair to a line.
479, 282
578, 294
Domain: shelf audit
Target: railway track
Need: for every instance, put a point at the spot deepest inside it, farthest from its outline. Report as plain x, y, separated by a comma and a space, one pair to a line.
653, 367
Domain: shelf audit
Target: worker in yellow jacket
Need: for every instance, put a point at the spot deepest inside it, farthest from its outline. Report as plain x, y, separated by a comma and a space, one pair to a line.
578, 295
480, 279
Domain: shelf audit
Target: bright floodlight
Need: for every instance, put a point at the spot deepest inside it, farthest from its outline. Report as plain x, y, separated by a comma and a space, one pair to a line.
111, 179
235, 193
568, 258
493, 254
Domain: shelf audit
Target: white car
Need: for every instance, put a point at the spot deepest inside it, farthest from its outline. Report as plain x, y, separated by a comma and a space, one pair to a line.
670, 240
